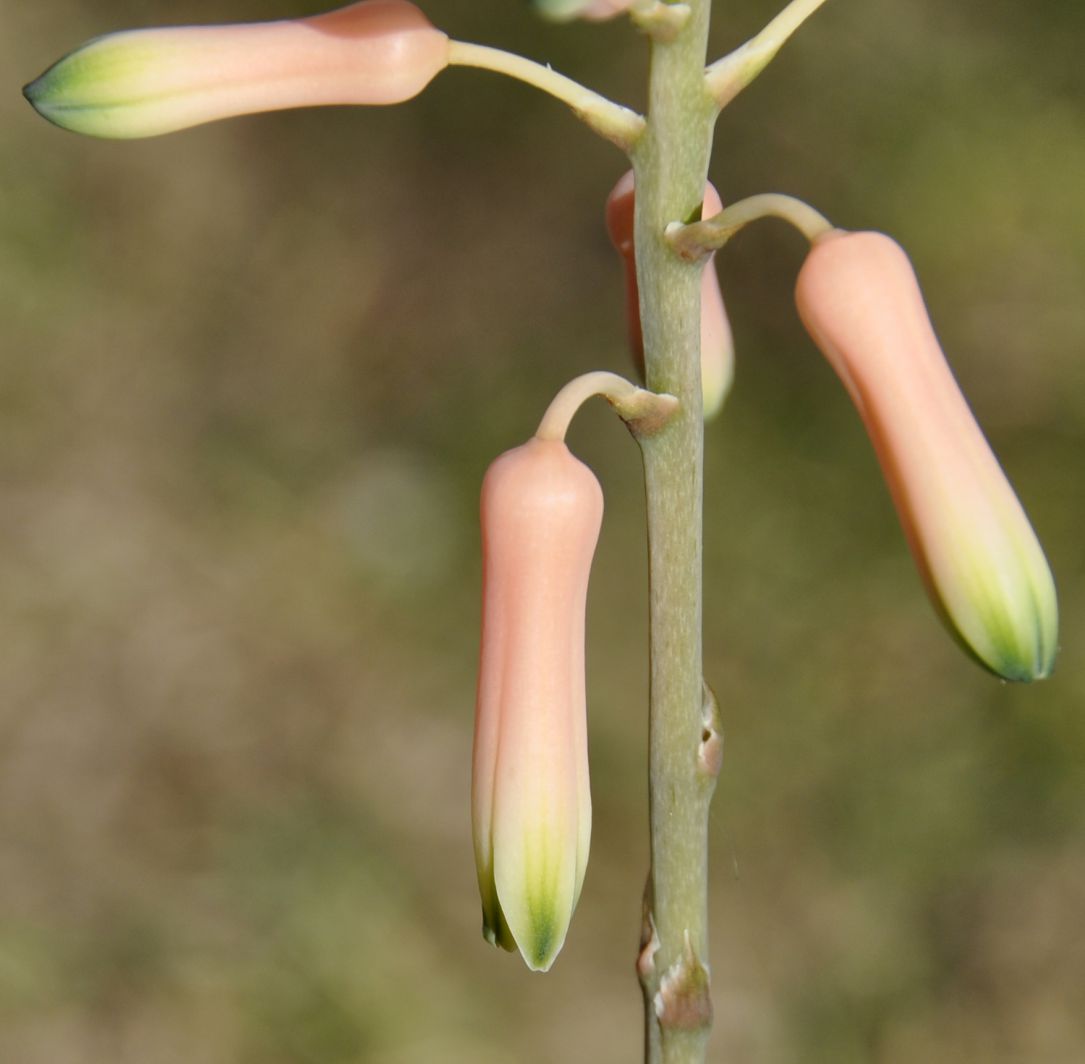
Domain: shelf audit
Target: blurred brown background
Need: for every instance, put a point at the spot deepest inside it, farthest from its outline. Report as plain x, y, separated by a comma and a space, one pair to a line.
250, 378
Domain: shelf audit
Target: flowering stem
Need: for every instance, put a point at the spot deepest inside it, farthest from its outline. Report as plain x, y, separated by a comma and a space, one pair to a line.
695, 241
671, 163
618, 124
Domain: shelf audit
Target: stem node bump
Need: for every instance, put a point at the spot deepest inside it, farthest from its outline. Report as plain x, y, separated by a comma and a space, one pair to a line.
684, 999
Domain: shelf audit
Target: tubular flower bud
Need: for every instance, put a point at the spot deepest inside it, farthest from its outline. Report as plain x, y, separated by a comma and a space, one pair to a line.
594, 10
141, 83
979, 557
531, 805
717, 344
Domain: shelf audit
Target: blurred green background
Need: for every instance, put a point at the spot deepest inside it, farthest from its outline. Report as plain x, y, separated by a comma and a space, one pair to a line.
251, 376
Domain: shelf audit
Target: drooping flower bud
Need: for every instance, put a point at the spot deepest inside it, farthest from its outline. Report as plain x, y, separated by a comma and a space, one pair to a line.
593, 10
717, 344
979, 557
531, 806
141, 83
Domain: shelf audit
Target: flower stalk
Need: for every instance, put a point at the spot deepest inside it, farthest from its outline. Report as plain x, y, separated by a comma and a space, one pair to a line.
616, 123
671, 164
700, 239
643, 411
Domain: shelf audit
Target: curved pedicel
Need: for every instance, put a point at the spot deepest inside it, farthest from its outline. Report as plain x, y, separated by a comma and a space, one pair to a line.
979, 557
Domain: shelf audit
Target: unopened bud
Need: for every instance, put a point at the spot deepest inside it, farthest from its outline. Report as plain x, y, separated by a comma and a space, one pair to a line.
531, 805
979, 557
141, 83
593, 10
717, 344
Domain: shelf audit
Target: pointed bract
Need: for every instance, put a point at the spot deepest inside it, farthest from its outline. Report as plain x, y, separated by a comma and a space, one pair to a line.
531, 806
142, 83
979, 557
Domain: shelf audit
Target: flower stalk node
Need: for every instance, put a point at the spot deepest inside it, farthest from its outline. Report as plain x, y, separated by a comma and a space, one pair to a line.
684, 999
649, 941
644, 412
660, 21
710, 749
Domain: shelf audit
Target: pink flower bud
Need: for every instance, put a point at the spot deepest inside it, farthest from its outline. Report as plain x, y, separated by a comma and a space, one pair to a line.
141, 83
594, 10
531, 806
600, 10
977, 552
717, 345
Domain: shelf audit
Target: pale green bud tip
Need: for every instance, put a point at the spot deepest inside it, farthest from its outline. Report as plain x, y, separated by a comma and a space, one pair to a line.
85, 89
530, 890
494, 928
141, 83
544, 941
976, 550
1003, 605
542, 929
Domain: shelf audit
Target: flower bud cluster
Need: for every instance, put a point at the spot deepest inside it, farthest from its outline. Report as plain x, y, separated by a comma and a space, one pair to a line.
541, 508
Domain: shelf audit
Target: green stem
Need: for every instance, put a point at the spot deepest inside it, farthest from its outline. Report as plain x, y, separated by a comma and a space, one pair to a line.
671, 162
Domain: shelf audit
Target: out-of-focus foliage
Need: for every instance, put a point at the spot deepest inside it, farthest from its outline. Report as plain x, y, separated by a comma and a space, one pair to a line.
250, 378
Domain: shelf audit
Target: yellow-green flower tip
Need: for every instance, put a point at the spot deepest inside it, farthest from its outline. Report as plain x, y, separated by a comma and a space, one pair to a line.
975, 548
142, 83
530, 795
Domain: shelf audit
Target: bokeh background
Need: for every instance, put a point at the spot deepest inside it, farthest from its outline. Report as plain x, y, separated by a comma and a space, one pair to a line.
250, 378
